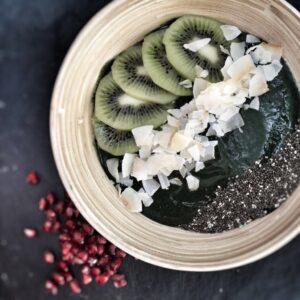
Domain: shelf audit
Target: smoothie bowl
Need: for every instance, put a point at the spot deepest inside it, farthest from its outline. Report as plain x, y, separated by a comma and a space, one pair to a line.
174, 127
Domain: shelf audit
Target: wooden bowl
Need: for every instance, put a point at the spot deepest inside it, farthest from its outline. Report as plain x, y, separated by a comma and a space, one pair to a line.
113, 29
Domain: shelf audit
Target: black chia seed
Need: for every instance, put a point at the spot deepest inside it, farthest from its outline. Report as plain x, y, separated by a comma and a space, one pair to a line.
258, 191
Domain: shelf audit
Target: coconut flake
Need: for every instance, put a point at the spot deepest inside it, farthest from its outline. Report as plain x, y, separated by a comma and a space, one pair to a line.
252, 39
272, 70
197, 44
112, 166
194, 152
235, 122
241, 67
146, 199
192, 182
229, 113
186, 83
145, 152
254, 104
140, 169
176, 181
173, 121
125, 180
200, 84
164, 181
224, 50
127, 163
230, 32
199, 166
131, 200
151, 186
237, 50
179, 142
143, 135
258, 84
176, 113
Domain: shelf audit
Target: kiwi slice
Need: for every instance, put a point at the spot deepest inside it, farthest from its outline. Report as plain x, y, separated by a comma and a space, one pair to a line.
130, 74
121, 111
159, 68
113, 141
187, 29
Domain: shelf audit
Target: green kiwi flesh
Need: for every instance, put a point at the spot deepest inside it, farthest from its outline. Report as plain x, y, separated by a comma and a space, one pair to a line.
121, 111
159, 68
187, 29
113, 141
129, 73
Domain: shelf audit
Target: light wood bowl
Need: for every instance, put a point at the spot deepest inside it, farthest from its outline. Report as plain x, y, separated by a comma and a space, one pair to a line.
113, 29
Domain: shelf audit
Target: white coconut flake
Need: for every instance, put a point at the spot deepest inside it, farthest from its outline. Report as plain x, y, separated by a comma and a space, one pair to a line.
241, 67
199, 166
200, 85
235, 122
228, 63
192, 182
179, 142
254, 104
126, 181
140, 169
145, 152
194, 152
143, 135
186, 83
164, 181
252, 39
151, 186
272, 70
146, 199
237, 50
131, 200
183, 171
230, 32
224, 50
258, 84
176, 181
112, 166
127, 163
229, 113
173, 121
176, 113
197, 44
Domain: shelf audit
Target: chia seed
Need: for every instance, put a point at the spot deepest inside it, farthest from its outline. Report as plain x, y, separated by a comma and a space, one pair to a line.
255, 193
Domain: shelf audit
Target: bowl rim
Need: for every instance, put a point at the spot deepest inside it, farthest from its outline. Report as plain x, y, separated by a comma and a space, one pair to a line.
268, 248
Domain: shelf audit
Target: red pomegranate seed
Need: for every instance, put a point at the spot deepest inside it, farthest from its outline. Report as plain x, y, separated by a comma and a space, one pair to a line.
32, 177
66, 247
48, 257
100, 250
64, 237
69, 212
76, 212
51, 287
69, 258
110, 270
120, 253
112, 249
103, 260
74, 286
70, 224
87, 228
85, 269
62, 266
118, 277
95, 271
83, 256
58, 278
50, 214
56, 226
59, 207
101, 240
43, 203
92, 249
86, 278
92, 261
30, 232
75, 249
102, 278
92, 239
47, 226
116, 263
50, 197
119, 283
78, 237
68, 276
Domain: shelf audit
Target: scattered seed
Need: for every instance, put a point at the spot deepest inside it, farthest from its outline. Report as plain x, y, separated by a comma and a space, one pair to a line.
30, 232
32, 177
48, 257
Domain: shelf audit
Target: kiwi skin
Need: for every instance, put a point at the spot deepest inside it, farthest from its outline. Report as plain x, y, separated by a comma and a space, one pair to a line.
130, 74
210, 57
159, 68
113, 141
120, 111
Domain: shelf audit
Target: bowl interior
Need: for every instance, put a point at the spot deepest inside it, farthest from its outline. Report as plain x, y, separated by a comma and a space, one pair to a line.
112, 30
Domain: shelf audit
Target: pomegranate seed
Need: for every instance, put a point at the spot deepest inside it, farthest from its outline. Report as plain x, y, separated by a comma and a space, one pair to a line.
110, 270
68, 276
59, 207
30, 232
92, 261
74, 286
103, 260
83, 256
116, 263
76, 212
48, 257
87, 228
43, 203
118, 277
47, 226
95, 271
85, 269
92, 239
51, 287
66, 248
101, 240
100, 250
119, 283
62, 266
50, 197
69, 212
58, 278
69, 258
70, 224
56, 226
86, 278
112, 249
102, 278
50, 214
32, 177
78, 237
120, 253
92, 249
75, 250
64, 237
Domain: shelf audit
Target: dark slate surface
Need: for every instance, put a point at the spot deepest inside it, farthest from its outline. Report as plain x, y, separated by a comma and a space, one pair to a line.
34, 37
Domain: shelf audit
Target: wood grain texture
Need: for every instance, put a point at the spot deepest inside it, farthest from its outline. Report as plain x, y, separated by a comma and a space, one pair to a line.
119, 25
